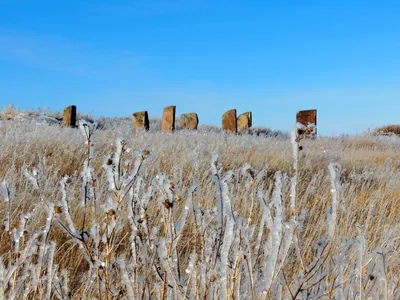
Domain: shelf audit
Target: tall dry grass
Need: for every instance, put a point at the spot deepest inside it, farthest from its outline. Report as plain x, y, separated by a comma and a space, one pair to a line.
157, 215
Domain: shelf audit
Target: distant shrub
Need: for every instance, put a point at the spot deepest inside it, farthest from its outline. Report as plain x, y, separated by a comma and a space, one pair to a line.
155, 124
388, 130
268, 132
8, 112
209, 128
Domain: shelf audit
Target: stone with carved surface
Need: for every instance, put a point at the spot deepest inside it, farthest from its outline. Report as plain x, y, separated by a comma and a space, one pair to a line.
140, 120
308, 118
189, 121
168, 119
229, 121
244, 122
69, 116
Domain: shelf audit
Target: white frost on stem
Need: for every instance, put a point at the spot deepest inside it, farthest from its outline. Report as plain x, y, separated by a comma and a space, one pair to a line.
31, 177
228, 235
125, 277
276, 234
5, 191
216, 176
331, 214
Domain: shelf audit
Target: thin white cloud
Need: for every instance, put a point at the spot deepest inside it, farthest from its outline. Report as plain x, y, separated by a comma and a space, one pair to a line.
151, 7
63, 55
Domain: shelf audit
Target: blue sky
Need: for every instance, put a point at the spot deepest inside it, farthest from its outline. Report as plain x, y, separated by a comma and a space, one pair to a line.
113, 58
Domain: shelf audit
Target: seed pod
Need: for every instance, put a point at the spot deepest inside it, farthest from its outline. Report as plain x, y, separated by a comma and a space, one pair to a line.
309, 130
145, 152
371, 277
111, 212
58, 209
168, 204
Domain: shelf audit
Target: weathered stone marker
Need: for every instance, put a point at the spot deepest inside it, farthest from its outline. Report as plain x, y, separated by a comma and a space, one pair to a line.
69, 116
168, 119
140, 120
229, 121
189, 121
244, 121
308, 117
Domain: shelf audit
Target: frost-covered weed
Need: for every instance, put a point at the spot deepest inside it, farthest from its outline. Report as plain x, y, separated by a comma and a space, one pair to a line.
92, 215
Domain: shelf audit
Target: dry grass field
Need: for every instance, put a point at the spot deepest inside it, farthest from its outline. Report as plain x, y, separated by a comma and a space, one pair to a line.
112, 214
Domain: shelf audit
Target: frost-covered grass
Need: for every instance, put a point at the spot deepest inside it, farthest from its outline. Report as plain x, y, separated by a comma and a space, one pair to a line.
196, 215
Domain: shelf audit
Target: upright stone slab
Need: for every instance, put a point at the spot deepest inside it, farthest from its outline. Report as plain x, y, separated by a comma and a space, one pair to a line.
244, 121
140, 120
308, 117
168, 119
69, 116
229, 121
189, 121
